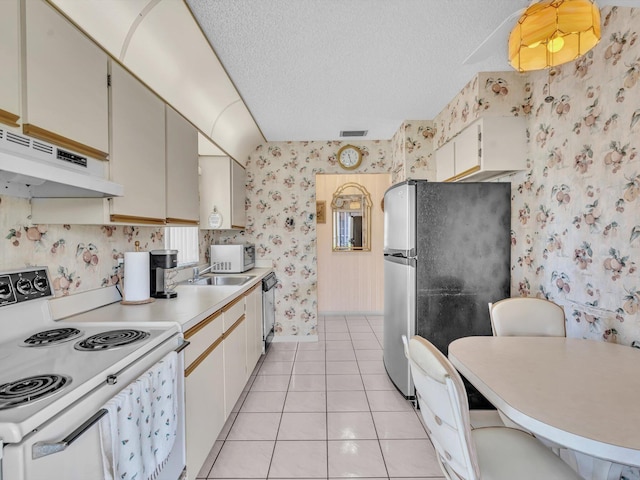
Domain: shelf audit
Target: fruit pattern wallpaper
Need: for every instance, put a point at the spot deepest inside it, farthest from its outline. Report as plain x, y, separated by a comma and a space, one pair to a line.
79, 257
576, 211
281, 222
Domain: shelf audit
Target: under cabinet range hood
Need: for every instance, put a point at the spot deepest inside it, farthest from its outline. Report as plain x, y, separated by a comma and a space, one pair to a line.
32, 168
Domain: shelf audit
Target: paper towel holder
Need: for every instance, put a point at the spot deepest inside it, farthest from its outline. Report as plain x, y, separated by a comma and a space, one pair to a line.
124, 301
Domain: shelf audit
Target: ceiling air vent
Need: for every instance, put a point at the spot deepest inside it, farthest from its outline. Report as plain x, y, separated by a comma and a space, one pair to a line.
353, 133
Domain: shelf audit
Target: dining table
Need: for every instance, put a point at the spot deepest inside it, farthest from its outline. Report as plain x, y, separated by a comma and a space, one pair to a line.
580, 394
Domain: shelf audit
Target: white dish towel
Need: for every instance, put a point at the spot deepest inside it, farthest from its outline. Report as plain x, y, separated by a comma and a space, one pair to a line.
139, 431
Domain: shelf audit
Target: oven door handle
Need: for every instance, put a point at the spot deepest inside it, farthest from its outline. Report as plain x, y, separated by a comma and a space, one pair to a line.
42, 449
183, 345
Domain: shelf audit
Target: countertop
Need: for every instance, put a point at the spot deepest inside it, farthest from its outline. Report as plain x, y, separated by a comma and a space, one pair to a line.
193, 304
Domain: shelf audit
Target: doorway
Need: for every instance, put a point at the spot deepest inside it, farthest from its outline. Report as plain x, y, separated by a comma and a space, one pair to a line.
350, 282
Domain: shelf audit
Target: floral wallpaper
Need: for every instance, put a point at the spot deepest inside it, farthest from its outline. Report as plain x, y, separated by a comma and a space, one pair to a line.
79, 257
413, 149
487, 94
576, 225
281, 218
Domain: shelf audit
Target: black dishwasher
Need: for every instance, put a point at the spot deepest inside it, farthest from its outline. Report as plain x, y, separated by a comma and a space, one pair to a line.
268, 308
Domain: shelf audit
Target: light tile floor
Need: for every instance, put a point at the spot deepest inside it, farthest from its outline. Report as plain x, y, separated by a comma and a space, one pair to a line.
324, 410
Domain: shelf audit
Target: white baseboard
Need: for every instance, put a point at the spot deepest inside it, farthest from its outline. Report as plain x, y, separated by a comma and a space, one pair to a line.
351, 314
295, 338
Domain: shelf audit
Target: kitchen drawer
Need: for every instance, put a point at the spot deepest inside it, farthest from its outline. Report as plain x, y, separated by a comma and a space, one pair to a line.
232, 312
202, 336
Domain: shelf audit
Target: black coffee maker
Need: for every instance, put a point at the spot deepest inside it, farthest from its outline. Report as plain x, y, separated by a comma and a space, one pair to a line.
162, 260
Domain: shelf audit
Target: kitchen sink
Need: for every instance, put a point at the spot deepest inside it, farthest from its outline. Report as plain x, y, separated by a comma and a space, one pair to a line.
223, 280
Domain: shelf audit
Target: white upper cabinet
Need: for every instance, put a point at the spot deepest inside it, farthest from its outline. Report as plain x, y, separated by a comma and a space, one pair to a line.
137, 149
10, 61
487, 148
161, 43
222, 186
183, 201
64, 76
445, 161
238, 195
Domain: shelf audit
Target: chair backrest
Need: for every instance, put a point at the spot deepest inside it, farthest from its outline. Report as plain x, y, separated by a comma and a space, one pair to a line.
444, 408
524, 316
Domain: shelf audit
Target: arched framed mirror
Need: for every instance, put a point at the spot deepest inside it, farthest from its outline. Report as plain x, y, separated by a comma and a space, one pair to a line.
351, 213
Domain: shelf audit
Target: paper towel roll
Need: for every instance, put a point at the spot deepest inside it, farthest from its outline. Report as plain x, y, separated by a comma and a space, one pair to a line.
136, 276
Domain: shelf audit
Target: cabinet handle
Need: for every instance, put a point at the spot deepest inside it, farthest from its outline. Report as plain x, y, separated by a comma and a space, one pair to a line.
42, 449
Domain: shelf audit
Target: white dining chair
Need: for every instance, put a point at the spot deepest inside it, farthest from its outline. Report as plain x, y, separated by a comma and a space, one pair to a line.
495, 453
525, 316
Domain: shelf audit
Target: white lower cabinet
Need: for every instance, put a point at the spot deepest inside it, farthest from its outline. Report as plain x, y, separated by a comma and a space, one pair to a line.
235, 364
204, 390
205, 415
253, 306
225, 348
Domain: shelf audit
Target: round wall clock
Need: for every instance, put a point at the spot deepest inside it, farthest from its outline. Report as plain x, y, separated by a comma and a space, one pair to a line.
349, 157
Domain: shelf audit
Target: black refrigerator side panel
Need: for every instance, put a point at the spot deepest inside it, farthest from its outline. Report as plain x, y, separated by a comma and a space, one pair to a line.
464, 250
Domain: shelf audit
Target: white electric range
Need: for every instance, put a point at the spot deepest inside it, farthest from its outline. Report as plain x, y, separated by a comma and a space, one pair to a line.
55, 377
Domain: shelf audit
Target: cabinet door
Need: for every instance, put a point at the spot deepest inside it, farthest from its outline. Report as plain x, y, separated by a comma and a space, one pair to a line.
215, 190
468, 149
253, 302
137, 150
235, 366
445, 161
204, 412
10, 61
182, 170
64, 83
238, 194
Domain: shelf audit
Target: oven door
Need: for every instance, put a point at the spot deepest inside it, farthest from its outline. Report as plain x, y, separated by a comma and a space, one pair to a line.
82, 459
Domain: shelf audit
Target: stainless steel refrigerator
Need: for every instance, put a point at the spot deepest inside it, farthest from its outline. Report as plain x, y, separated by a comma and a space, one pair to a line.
447, 254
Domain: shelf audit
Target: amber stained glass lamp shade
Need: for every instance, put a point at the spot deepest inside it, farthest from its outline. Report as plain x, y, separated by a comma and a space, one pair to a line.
553, 32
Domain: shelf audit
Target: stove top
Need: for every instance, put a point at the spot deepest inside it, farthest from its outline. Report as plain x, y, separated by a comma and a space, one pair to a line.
110, 339
45, 366
54, 336
30, 389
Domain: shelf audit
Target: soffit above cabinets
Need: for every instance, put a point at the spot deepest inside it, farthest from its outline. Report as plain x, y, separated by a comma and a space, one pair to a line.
160, 42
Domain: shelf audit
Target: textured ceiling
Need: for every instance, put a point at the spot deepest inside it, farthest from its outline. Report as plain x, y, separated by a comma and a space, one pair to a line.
309, 68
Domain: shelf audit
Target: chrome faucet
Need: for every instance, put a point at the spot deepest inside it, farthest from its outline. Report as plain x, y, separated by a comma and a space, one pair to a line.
197, 272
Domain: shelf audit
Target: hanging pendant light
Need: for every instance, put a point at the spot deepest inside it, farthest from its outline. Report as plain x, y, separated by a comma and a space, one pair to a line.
553, 32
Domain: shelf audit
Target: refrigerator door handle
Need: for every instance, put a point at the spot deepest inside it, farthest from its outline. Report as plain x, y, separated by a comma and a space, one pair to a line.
411, 261
400, 253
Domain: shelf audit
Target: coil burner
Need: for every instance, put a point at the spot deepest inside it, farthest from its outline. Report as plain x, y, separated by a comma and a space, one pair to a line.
52, 337
30, 389
110, 340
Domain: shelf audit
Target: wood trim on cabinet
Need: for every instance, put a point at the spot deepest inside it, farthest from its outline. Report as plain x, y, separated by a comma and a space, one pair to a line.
252, 289
231, 304
203, 356
64, 142
464, 174
132, 220
200, 325
213, 346
239, 227
9, 118
182, 221
233, 327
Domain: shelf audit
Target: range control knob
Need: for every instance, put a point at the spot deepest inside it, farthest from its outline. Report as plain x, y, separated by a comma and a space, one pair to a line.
5, 290
23, 286
40, 283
